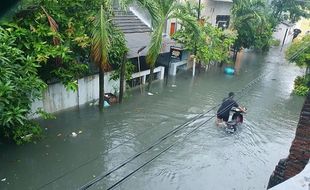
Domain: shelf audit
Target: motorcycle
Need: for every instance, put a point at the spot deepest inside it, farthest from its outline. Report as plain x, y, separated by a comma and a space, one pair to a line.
236, 120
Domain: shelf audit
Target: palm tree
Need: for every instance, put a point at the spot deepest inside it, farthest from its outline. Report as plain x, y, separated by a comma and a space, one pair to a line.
100, 48
249, 19
160, 11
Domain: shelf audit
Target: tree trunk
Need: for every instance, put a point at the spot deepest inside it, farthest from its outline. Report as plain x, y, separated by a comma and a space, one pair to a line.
122, 77
101, 88
151, 78
235, 55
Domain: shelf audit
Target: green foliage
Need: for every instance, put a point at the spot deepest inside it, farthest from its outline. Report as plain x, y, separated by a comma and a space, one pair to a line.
299, 52
43, 41
290, 10
300, 85
118, 47
130, 68
160, 11
19, 86
253, 23
210, 44
61, 47
275, 42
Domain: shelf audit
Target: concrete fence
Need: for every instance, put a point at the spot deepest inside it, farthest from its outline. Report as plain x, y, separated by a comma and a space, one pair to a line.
57, 98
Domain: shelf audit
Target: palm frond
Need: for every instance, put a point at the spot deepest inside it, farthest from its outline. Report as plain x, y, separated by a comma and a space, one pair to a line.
100, 41
53, 26
156, 43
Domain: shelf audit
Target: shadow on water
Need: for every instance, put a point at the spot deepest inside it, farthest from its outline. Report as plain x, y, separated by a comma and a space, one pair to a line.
207, 159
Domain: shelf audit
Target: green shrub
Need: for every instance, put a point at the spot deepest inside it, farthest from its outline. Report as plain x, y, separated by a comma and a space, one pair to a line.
19, 87
300, 85
275, 42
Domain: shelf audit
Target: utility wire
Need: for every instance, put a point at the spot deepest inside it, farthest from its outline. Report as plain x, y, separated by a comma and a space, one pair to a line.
170, 133
200, 115
296, 54
169, 147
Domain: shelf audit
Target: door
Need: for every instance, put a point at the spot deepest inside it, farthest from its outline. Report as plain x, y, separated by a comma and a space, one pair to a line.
172, 28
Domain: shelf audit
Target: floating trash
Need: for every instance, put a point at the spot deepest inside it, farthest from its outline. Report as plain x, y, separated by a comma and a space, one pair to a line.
173, 86
3, 180
74, 134
229, 70
27, 137
106, 104
150, 94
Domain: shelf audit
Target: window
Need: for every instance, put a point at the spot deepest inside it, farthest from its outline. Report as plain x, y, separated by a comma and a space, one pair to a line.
222, 21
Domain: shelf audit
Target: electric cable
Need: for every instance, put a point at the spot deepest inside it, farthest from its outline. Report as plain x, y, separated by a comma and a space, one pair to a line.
170, 133
169, 147
186, 123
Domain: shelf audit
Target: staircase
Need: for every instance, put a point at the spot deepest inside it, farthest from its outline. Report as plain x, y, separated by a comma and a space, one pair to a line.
129, 22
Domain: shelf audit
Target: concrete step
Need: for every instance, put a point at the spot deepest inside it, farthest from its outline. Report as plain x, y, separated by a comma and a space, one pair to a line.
136, 21
126, 17
136, 30
132, 26
123, 13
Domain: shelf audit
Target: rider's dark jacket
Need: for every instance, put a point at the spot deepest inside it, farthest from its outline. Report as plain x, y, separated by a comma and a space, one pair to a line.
223, 111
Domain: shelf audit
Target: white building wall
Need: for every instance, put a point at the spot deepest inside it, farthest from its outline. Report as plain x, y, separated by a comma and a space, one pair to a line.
213, 8
279, 34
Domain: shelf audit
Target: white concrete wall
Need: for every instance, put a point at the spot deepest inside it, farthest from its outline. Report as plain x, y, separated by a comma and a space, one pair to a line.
142, 14
280, 33
300, 181
57, 98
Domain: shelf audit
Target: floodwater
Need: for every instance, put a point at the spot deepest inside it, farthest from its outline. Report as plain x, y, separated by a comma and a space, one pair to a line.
199, 157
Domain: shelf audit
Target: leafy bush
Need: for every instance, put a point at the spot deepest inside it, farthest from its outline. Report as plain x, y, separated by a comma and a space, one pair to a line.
300, 85
275, 42
299, 52
19, 86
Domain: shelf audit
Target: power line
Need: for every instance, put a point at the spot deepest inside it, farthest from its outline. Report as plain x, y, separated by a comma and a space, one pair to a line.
166, 149
200, 115
161, 139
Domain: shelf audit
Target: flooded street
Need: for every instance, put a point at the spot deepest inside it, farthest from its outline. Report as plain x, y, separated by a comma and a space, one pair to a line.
207, 158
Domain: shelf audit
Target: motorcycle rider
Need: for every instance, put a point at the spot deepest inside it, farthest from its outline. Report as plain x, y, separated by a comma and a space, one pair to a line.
224, 110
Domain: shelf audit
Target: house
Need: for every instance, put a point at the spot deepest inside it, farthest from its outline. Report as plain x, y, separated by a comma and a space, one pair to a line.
216, 12
284, 32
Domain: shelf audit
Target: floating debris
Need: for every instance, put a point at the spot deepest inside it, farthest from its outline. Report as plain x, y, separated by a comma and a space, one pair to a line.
74, 134
3, 180
59, 135
80, 132
173, 86
150, 94
26, 137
